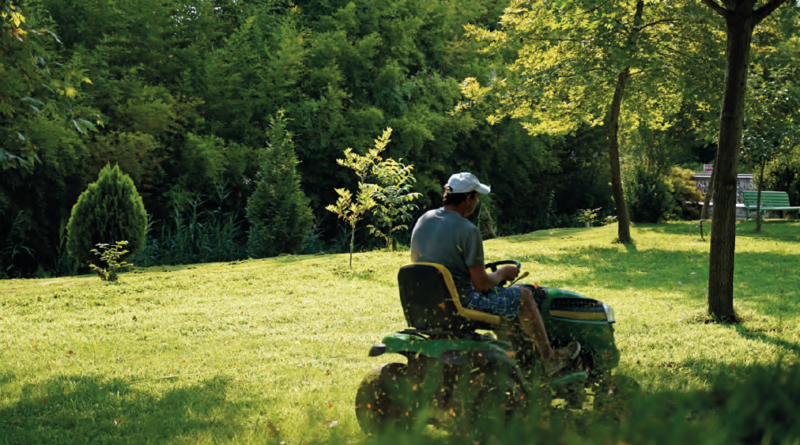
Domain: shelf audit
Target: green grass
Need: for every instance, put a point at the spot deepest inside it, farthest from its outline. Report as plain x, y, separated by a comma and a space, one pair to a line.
273, 350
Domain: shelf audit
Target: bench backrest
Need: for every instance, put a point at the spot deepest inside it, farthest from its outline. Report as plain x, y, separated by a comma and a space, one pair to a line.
768, 199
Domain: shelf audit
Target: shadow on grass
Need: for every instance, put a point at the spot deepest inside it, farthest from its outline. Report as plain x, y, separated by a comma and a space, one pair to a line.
76, 409
630, 247
768, 339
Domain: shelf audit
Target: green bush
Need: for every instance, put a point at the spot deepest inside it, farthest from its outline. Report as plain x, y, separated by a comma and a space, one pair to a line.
110, 210
773, 419
650, 197
782, 174
754, 406
687, 197
278, 211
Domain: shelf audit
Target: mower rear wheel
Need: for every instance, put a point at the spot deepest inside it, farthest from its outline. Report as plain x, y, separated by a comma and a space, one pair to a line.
385, 399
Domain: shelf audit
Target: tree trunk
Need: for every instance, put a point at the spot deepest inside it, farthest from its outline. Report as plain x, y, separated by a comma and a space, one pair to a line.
723, 230
352, 242
624, 219
706, 210
758, 198
612, 131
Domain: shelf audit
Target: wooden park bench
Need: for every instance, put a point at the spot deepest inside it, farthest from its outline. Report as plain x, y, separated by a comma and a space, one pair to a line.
769, 201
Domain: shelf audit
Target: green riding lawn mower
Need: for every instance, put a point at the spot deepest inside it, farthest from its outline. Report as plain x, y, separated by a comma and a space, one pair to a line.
453, 372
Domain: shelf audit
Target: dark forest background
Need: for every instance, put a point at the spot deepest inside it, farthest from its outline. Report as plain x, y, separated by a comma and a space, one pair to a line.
181, 98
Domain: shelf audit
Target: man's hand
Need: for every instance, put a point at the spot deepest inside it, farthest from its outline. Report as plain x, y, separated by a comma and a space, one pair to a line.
484, 282
507, 273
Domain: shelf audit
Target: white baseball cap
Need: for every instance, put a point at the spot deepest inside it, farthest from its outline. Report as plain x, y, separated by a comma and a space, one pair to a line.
466, 182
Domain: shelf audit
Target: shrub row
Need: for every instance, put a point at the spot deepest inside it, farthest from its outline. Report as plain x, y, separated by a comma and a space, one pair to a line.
752, 406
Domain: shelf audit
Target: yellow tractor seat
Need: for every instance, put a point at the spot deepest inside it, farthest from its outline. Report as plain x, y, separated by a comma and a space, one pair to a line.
431, 302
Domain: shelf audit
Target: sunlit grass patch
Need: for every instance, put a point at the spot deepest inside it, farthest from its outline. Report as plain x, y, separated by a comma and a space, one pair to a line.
274, 350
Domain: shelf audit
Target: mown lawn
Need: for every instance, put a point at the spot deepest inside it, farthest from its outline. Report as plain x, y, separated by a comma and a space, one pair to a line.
273, 350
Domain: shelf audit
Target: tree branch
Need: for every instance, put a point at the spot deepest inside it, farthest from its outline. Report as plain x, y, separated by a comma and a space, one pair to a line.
657, 22
554, 40
717, 8
558, 76
589, 11
762, 12
670, 56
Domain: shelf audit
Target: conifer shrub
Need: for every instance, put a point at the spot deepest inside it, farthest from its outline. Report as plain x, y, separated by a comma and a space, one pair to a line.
278, 211
108, 211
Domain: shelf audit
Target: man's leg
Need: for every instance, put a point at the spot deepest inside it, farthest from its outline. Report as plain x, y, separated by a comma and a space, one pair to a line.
507, 303
532, 324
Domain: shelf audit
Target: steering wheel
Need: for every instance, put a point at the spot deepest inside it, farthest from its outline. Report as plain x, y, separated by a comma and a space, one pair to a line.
493, 267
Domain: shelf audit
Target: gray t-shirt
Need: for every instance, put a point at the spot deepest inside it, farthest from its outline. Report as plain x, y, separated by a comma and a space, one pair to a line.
444, 237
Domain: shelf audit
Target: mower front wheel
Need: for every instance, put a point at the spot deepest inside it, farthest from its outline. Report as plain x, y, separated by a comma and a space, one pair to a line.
385, 399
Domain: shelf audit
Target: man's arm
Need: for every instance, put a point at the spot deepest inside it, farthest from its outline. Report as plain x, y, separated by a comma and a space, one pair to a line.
483, 281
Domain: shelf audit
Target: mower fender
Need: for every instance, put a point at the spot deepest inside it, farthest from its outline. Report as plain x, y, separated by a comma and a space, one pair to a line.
474, 359
377, 349
402, 343
568, 379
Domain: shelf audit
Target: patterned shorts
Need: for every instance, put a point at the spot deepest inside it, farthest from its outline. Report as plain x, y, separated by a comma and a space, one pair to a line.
502, 301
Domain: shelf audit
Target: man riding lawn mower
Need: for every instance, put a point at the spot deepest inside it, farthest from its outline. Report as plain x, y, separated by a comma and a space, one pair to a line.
451, 369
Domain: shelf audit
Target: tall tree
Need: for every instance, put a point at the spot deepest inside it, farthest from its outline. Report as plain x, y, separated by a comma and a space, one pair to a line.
612, 132
593, 62
741, 18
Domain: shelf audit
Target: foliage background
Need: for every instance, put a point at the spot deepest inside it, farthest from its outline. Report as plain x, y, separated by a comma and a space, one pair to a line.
180, 97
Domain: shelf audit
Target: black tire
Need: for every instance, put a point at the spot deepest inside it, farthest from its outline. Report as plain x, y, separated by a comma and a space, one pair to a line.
385, 399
